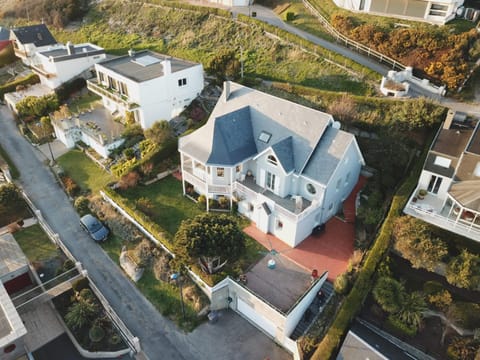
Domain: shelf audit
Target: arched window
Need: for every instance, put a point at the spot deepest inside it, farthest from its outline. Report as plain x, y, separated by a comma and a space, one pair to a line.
311, 189
272, 160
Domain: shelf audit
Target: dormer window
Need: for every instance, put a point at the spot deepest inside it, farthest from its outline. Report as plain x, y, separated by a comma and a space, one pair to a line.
272, 160
264, 137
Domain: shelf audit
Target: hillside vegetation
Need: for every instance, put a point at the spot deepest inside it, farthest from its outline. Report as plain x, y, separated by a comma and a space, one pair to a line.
199, 37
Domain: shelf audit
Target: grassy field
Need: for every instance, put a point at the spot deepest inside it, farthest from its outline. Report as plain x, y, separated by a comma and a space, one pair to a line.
194, 36
35, 243
84, 171
170, 207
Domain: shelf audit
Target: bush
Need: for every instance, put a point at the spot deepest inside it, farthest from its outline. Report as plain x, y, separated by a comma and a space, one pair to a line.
202, 202
432, 287
80, 284
129, 153
223, 202
290, 16
71, 186
397, 327
440, 300
462, 349
9, 194
143, 252
96, 333
466, 314
81, 205
342, 284
66, 90
464, 270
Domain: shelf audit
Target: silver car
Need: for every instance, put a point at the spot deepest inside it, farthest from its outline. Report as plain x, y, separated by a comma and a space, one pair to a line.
94, 228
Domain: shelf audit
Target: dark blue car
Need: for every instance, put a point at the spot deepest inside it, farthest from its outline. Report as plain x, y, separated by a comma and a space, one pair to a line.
94, 228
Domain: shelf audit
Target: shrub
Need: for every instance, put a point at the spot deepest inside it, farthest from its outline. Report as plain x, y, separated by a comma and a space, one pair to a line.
342, 284
114, 339
397, 327
202, 202
432, 287
71, 186
128, 181
81, 205
80, 284
12, 86
96, 333
466, 314
464, 270
223, 202
143, 252
9, 194
161, 267
390, 294
462, 349
65, 90
440, 300
290, 16
129, 153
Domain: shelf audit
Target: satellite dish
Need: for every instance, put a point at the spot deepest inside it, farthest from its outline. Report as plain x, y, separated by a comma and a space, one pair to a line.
336, 125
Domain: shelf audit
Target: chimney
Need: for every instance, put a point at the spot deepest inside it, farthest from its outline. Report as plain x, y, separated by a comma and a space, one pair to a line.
226, 91
167, 67
70, 48
131, 53
449, 119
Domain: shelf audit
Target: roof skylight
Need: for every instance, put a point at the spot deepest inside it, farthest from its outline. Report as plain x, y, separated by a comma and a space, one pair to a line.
264, 136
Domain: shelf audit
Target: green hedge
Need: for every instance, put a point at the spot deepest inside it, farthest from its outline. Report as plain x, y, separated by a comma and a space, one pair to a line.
399, 328
130, 208
327, 54
355, 299
12, 86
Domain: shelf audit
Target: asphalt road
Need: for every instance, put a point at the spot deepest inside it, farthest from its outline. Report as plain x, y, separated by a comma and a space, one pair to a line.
231, 338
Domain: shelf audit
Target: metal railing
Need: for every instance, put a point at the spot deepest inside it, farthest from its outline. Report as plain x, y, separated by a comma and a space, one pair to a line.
396, 65
93, 86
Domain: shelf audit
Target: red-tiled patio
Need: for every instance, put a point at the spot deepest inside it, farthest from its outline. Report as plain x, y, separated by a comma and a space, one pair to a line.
329, 250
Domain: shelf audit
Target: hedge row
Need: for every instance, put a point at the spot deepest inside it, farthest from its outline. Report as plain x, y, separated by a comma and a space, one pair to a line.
186, 6
355, 299
327, 54
12, 86
130, 208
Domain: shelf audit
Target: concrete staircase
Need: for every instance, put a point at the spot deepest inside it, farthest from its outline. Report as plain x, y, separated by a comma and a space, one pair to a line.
315, 309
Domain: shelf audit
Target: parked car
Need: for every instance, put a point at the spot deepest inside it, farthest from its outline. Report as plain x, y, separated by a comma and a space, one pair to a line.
94, 227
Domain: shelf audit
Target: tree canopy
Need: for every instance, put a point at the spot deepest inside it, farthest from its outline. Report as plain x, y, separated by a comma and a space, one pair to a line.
211, 239
160, 132
33, 106
416, 243
9, 194
464, 270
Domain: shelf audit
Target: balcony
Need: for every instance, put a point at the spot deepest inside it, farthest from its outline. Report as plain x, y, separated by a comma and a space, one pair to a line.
101, 90
447, 215
39, 70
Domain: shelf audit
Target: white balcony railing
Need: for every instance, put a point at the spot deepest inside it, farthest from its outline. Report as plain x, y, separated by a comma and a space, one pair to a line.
98, 89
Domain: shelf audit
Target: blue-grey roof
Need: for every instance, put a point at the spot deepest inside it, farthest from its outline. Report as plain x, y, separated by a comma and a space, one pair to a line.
284, 152
4, 33
232, 138
34, 34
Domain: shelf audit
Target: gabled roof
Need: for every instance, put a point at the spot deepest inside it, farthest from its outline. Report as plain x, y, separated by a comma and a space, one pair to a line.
34, 34
284, 152
247, 122
232, 139
467, 193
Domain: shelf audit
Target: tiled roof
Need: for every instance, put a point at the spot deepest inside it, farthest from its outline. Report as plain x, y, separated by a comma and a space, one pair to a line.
34, 34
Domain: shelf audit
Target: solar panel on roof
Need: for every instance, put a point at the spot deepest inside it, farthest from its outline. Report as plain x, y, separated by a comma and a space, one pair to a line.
146, 60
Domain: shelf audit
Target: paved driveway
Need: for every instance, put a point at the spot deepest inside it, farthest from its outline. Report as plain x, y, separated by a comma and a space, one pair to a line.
160, 338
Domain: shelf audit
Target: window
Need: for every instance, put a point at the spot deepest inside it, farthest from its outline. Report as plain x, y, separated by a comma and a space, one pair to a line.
441, 161
182, 82
123, 88
339, 182
264, 137
220, 172
434, 185
238, 168
311, 189
270, 183
272, 160
101, 77
250, 207
438, 10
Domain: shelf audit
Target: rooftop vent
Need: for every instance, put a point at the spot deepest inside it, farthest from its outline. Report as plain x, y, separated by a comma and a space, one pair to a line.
131, 53
70, 48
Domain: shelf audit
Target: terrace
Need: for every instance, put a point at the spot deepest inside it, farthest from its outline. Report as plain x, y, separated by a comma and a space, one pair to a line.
101, 90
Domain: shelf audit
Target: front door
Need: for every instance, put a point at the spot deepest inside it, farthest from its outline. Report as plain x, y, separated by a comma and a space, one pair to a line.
434, 185
270, 181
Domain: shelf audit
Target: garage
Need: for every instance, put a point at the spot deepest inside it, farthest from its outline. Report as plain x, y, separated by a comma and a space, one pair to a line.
260, 321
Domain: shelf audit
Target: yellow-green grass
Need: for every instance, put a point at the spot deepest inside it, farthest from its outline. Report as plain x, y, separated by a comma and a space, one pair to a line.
35, 243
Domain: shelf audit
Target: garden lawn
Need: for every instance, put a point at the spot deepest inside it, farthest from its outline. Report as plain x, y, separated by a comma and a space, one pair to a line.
35, 243
84, 102
170, 207
84, 171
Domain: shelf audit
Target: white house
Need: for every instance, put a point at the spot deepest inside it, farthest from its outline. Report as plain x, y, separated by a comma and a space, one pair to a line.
62, 63
289, 167
151, 86
28, 40
232, 3
448, 190
432, 11
95, 128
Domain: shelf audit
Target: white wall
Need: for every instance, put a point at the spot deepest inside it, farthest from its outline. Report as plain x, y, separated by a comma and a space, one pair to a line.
162, 98
424, 180
66, 70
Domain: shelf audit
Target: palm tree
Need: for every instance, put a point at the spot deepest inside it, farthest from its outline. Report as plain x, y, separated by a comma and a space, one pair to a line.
389, 294
412, 308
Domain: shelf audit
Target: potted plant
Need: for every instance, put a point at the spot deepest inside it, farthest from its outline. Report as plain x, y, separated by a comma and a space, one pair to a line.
422, 193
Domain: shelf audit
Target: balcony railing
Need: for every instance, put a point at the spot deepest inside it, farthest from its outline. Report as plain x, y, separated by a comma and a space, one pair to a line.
39, 70
98, 89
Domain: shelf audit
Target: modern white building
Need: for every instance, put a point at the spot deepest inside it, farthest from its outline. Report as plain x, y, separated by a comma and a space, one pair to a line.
448, 190
151, 86
289, 167
432, 11
95, 128
28, 40
63, 63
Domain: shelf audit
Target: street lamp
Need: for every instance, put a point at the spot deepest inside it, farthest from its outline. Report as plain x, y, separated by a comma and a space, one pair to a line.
176, 278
